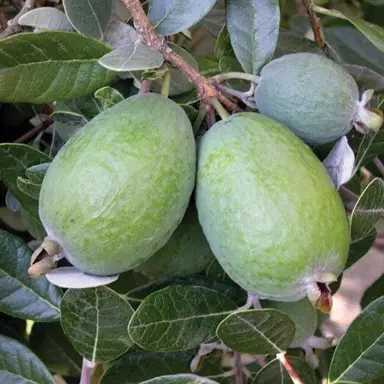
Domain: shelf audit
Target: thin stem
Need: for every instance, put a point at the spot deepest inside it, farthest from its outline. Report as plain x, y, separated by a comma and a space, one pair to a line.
238, 367
145, 87
210, 117
34, 131
199, 120
14, 26
236, 75
315, 23
219, 108
379, 165
166, 84
243, 96
86, 371
289, 368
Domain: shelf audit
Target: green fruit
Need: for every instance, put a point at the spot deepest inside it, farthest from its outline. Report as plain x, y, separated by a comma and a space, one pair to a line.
269, 210
120, 186
315, 97
186, 253
304, 316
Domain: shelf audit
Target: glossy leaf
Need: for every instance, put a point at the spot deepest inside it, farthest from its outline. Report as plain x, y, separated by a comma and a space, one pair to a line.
178, 318
15, 159
359, 356
20, 295
360, 247
137, 367
19, 365
132, 57
373, 32
258, 332
274, 372
89, 17
180, 379
48, 66
95, 320
48, 341
367, 210
46, 18
173, 16
254, 28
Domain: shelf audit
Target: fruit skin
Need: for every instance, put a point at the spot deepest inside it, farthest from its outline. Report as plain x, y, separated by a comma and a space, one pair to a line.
312, 95
268, 208
120, 186
186, 253
302, 313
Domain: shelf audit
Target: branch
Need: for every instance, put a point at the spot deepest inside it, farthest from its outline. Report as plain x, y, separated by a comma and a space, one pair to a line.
34, 131
238, 368
289, 368
86, 372
205, 89
315, 24
14, 26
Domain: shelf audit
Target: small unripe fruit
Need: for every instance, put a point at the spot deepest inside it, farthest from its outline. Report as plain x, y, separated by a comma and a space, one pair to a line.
120, 186
269, 210
312, 95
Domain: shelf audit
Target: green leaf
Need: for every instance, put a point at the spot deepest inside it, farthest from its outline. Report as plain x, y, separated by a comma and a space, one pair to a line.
366, 78
178, 318
86, 106
89, 17
95, 320
233, 292
137, 367
373, 292
360, 247
20, 295
28, 187
257, 331
19, 365
68, 123
373, 32
48, 66
180, 379
230, 64
132, 57
223, 45
33, 225
108, 97
359, 356
290, 43
254, 28
274, 372
46, 18
15, 159
367, 210
170, 17
370, 146
53, 348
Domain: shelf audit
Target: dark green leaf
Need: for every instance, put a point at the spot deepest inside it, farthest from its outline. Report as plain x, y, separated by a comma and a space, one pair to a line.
359, 356
86, 106
137, 367
127, 281
290, 43
48, 66
19, 365
89, 17
33, 225
258, 331
373, 292
370, 146
274, 372
223, 45
180, 379
360, 247
179, 318
170, 17
233, 292
108, 97
53, 348
95, 320
20, 295
367, 210
28, 187
15, 159
254, 28
373, 32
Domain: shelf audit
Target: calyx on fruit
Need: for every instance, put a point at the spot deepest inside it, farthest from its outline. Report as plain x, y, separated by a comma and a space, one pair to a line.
315, 97
186, 253
269, 210
120, 186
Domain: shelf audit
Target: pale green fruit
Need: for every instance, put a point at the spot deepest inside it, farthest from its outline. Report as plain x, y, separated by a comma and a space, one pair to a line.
120, 186
304, 316
269, 210
315, 97
186, 253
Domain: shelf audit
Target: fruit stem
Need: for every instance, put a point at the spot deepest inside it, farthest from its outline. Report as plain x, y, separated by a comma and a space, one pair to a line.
86, 371
145, 87
219, 108
289, 368
236, 75
166, 84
